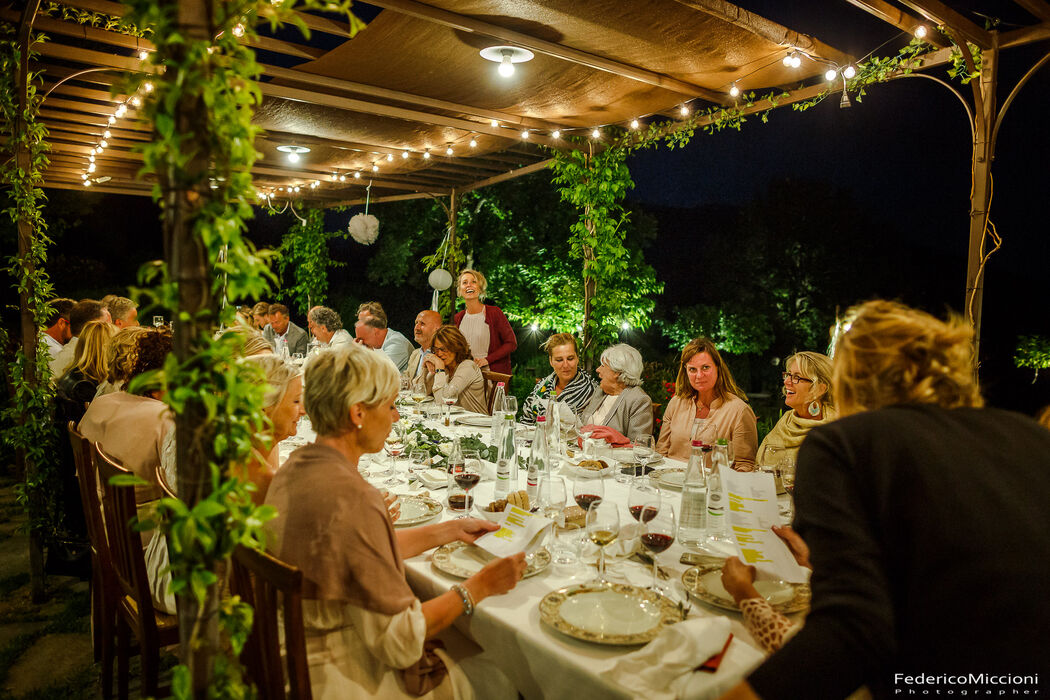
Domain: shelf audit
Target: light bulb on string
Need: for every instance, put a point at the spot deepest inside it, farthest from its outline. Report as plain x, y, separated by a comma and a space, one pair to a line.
87, 183
238, 30
494, 123
389, 157
448, 151
83, 176
796, 61
625, 326
830, 74
91, 159
849, 73
112, 120
426, 154
473, 142
634, 124
357, 175
136, 101
534, 327
143, 55
556, 133
102, 144
596, 134
147, 86
525, 135
107, 134
734, 91
404, 155
921, 31
91, 167
342, 178
375, 168
297, 188
121, 111
684, 110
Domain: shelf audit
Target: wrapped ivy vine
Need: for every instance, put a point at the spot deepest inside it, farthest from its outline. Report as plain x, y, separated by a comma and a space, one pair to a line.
204, 92
303, 255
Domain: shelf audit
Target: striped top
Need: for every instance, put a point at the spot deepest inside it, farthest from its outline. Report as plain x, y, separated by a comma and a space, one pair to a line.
576, 394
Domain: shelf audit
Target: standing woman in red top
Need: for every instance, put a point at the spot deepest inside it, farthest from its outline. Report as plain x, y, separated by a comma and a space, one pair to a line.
487, 329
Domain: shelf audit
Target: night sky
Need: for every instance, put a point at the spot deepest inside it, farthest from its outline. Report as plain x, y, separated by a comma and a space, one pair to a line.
903, 153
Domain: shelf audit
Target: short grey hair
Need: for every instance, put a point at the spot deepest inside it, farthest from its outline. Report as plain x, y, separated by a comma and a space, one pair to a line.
278, 373
323, 316
337, 379
626, 362
120, 308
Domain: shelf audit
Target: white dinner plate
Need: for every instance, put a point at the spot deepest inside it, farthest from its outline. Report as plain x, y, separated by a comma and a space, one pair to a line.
616, 614
474, 420
705, 584
463, 560
416, 510
671, 478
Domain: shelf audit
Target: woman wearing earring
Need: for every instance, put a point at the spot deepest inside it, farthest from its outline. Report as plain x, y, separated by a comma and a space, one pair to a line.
807, 392
485, 326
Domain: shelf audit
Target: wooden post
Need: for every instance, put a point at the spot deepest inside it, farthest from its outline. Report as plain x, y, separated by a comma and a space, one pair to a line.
30, 332
983, 154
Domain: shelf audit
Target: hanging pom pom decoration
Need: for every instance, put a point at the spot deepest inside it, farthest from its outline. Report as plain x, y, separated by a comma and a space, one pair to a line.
364, 228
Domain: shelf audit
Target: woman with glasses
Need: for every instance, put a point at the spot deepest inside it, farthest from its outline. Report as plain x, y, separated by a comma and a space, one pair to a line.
451, 372
705, 390
807, 392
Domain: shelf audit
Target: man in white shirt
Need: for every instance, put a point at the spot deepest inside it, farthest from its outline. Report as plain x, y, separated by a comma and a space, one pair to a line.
124, 311
57, 333
82, 313
325, 325
427, 323
374, 333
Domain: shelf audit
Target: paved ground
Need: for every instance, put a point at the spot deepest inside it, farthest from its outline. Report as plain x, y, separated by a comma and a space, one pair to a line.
45, 649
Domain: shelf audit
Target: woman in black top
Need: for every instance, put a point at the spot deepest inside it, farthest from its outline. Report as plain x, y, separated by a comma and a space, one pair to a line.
76, 388
928, 523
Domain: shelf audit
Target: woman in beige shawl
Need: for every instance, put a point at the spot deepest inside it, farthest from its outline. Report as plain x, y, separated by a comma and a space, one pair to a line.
367, 633
807, 392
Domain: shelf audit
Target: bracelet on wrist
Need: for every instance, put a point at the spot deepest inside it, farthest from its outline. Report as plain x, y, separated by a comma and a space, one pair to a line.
466, 597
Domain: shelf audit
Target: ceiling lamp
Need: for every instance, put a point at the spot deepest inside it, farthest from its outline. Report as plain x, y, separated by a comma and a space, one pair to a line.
293, 152
506, 57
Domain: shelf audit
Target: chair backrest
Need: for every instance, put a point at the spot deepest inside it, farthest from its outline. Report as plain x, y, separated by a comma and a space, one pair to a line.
267, 583
162, 480
125, 545
656, 417
491, 380
87, 480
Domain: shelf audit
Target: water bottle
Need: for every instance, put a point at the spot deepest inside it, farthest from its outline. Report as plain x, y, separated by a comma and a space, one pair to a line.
717, 531
456, 461
699, 426
497, 413
507, 459
553, 430
539, 462
692, 511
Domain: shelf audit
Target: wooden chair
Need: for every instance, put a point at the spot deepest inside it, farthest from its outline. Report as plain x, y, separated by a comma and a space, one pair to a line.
491, 380
103, 586
656, 416
162, 480
134, 606
267, 583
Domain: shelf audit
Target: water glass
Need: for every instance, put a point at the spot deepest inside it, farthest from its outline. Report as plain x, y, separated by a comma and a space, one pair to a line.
418, 461
565, 549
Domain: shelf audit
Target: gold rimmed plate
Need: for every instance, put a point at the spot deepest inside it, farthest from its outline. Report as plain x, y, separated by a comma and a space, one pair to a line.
670, 478
463, 560
416, 510
616, 614
705, 584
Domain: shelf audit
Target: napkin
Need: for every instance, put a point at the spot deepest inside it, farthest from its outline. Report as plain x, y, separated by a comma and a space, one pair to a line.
664, 668
618, 441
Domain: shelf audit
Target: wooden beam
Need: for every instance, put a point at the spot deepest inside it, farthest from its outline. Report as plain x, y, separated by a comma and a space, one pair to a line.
518, 172
1025, 35
106, 188
767, 29
901, 20
49, 115
937, 11
390, 198
549, 48
1037, 8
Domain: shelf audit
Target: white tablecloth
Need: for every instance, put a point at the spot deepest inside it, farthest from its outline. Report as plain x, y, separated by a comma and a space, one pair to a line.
541, 662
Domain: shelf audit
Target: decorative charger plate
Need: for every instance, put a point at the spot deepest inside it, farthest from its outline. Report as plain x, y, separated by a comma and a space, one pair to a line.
670, 478
474, 420
705, 584
614, 614
416, 510
463, 560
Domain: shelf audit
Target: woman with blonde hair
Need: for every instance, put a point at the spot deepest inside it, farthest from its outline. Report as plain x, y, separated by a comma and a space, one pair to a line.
367, 634
926, 521
807, 392
566, 384
488, 332
120, 356
705, 390
77, 387
450, 371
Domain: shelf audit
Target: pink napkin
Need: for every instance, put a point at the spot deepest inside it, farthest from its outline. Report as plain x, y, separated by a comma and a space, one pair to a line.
606, 433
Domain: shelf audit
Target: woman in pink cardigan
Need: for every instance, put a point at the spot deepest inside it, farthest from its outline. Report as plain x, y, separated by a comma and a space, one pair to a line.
487, 329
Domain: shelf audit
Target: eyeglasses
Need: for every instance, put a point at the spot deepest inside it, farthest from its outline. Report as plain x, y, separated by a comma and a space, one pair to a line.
436, 349
795, 378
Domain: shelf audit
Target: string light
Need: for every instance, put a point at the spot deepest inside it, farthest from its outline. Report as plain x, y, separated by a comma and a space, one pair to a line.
375, 168
147, 86
556, 133
734, 90
596, 134
389, 157
625, 326
143, 55
91, 167
921, 31
473, 142
849, 72
830, 74
448, 151
342, 178
426, 154
296, 188
634, 123
107, 134
83, 176
404, 155
136, 101
91, 159
525, 135
534, 327
684, 110
238, 30
357, 175
87, 183
112, 120
121, 111
102, 144
494, 123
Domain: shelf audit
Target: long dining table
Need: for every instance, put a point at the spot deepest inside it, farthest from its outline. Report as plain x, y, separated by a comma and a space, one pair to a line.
540, 661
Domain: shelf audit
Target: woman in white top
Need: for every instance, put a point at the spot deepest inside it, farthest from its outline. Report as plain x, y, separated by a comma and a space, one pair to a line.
367, 635
488, 332
451, 372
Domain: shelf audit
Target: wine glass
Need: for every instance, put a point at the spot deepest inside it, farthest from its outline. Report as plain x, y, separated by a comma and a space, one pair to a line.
553, 496
603, 527
587, 489
158, 321
510, 405
450, 399
586, 443
659, 534
786, 472
395, 447
418, 462
468, 477
405, 388
643, 496
419, 393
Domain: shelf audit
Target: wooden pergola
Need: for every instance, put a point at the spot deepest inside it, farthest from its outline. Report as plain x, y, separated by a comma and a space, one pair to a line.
411, 108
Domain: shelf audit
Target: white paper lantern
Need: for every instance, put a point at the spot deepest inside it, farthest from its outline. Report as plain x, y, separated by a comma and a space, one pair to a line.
440, 279
364, 228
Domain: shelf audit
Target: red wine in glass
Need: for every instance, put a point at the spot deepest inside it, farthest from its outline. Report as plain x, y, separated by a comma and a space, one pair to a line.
584, 500
657, 541
460, 502
467, 480
650, 513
